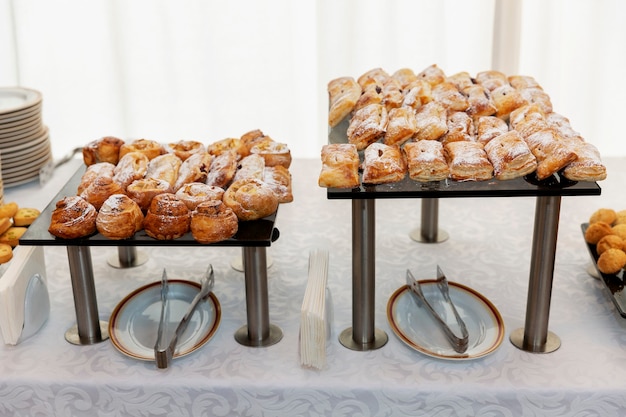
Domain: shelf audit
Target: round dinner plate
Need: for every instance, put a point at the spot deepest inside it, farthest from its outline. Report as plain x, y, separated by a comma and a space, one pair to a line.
17, 98
418, 329
135, 320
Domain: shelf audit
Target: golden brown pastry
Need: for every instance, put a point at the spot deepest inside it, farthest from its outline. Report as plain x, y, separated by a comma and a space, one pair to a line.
588, 166
274, 153
450, 97
492, 79
212, 221
164, 167
185, 148
612, 261
460, 127
119, 217
279, 180
12, 236
432, 121
101, 189
372, 94
562, 125
5, 223
606, 215
132, 166
401, 126
404, 76
609, 242
432, 74
538, 97
148, 147
73, 218
468, 161
383, 164
252, 137
461, 80
195, 193
340, 166
510, 156
194, 169
620, 230
6, 253
343, 93
418, 93
392, 94
250, 199
597, 231
143, 190
551, 155
25, 216
426, 161
528, 119
106, 169
523, 81
620, 217
252, 166
367, 125
489, 127
373, 77
222, 169
226, 145
106, 149
8, 209
506, 99
167, 217
480, 102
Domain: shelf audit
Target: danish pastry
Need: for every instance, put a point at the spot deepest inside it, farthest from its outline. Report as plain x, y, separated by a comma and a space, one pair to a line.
105, 149
404, 76
229, 144
510, 156
551, 155
460, 127
150, 148
461, 80
506, 99
426, 161
340, 166
392, 94
480, 102
222, 169
343, 93
164, 167
250, 199
252, 166
92, 172
279, 180
194, 169
100, 189
119, 217
468, 161
143, 190
450, 97
132, 166
185, 148
489, 127
432, 121
212, 221
492, 79
167, 217
417, 94
523, 81
373, 77
432, 74
274, 153
372, 94
588, 166
383, 164
367, 125
73, 218
401, 126
195, 193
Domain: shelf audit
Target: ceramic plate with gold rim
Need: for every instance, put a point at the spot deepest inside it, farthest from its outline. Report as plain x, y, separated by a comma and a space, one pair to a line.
418, 329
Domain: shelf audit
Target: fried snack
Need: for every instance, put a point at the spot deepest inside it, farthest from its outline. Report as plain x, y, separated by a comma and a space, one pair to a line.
383, 164
194, 169
340, 166
588, 166
119, 217
195, 193
164, 167
609, 242
25, 216
510, 156
612, 261
432, 121
597, 231
229, 144
450, 97
167, 217
213, 221
401, 126
367, 125
8, 209
143, 190
250, 199
6, 253
12, 235
101, 189
185, 148
222, 169
490, 127
426, 161
279, 180
5, 223
106, 149
606, 215
98, 169
468, 161
343, 93
274, 153
73, 218
132, 166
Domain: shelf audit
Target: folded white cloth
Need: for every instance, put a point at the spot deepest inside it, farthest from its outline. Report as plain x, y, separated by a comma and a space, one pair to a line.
24, 299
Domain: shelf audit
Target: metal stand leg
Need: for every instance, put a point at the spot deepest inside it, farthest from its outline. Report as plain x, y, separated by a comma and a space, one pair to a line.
259, 332
535, 337
127, 257
88, 329
363, 335
429, 231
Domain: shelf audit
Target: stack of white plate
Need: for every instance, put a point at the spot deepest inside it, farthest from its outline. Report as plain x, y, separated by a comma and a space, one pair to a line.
24, 141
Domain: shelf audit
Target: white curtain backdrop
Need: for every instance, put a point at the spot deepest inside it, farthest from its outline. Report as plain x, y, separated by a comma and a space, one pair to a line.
207, 70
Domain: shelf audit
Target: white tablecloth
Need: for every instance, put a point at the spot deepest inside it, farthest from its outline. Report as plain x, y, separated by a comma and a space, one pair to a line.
488, 250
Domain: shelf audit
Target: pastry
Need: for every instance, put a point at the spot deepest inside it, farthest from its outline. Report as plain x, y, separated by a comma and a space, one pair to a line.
523, 81
340, 166
609, 242
401, 126
228, 144
8, 209
432, 121
106, 169
167, 217
383, 164
510, 156
450, 97
404, 76
185, 148
25, 216
99, 190
164, 167
432, 74
194, 169
279, 180
73, 218
212, 221
252, 166
588, 166
367, 125
538, 97
343, 93
597, 231
606, 215
480, 102
274, 153
506, 99
461, 80
562, 125
5, 223
426, 161
551, 155
106, 149
12, 235
132, 166
222, 169
150, 148
460, 127
620, 230
250, 199
195, 193
119, 217
468, 161
392, 94
6, 253
372, 94
527, 120
373, 77
417, 94
492, 79
620, 217
611, 261
489, 127
253, 137
143, 190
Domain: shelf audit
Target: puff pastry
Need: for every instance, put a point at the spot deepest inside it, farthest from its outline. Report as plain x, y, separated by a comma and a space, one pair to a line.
401, 126
538, 97
250, 199
372, 94
468, 161
510, 156
212, 221
73, 218
489, 127
252, 166
492, 79
229, 144
506, 99
148, 147
588, 166
393, 96
383, 164
367, 125
279, 180
447, 94
340, 166
343, 93
167, 217
462, 80
193, 169
426, 161
274, 153
480, 102
105, 149
222, 169
416, 94
432, 121
164, 167
432, 74
562, 125
523, 81
373, 77
185, 148
551, 155
143, 190
100, 189
460, 127
132, 166
94, 171
405, 76
195, 193
119, 217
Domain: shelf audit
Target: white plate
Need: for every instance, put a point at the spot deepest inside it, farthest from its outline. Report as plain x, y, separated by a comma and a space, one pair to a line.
417, 328
17, 98
134, 322
20, 115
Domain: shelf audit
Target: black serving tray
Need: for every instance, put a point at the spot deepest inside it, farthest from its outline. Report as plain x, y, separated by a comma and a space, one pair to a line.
251, 233
613, 283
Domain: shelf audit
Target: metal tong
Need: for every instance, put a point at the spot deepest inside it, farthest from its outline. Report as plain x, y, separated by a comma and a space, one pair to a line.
164, 354
459, 344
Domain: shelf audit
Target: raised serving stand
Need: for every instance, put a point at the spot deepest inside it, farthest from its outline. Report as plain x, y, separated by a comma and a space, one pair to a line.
535, 336
253, 237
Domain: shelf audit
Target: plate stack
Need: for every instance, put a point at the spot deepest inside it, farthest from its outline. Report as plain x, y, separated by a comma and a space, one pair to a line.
24, 141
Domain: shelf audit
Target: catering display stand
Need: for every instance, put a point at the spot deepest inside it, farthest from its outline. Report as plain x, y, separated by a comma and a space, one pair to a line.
253, 237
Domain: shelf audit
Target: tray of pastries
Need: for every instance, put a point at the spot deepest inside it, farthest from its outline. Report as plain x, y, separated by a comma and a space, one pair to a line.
423, 131
142, 191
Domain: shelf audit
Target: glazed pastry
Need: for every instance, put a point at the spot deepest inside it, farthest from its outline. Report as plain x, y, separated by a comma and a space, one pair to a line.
274, 153
460, 127
373, 77
143, 190
468, 161
461, 80
73, 218
551, 155
432, 74
194, 169
480, 102
101, 189
450, 97
195, 193
510, 156
610, 242
119, 217
106, 149
417, 94
612, 261
432, 121
185, 148
383, 164
367, 125
506, 99
597, 231
426, 161
250, 199
343, 93
279, 180
229, 144
167, 217
588, 166
405, 76
490, 127
164, 167
149, 148
92, 172
212, 221
492, 79
401, 126
340, 166
605, 215
132, 166
222, 169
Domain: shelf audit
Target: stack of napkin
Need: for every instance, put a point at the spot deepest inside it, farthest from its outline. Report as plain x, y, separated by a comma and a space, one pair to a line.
315, 315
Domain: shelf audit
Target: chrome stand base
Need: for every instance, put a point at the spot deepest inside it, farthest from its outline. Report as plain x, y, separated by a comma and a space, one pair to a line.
418, 236
71, 335
127, 257
346, 338
553, 342
237, 263
243, 338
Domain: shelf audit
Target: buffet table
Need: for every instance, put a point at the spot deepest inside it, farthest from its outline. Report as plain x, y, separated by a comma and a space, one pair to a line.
489, 250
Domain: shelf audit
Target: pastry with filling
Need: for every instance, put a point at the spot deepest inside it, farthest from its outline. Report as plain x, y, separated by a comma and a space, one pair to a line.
506, 99
460, 127
432, 121
252, 166
523, 81
468, 161
193, 169
462, 81
480, 102
404, 76
106, 149
167, 217
510, 156
383, 164
119, 217
373, 77
489, 127
492, 79
274, 153
432, 74
229, 144
143, 190
105, 169
401, 126
426, 161
100, 189
372, 94
148, 147
340, 166
222, 169
392, 94
452, 99
185, 148
279, 180
250, 199
343, 93
73, 218
212, 221
164, 167
195, 193
562, 125
551, 155
252, 137
132, 166
417, 94
367, 126
588, 166
538, 97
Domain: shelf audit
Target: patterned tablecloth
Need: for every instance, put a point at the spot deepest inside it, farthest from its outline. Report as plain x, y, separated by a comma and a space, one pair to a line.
488, 250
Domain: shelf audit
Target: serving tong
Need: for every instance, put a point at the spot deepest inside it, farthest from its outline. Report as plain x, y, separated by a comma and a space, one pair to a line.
459, 344
164, 353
